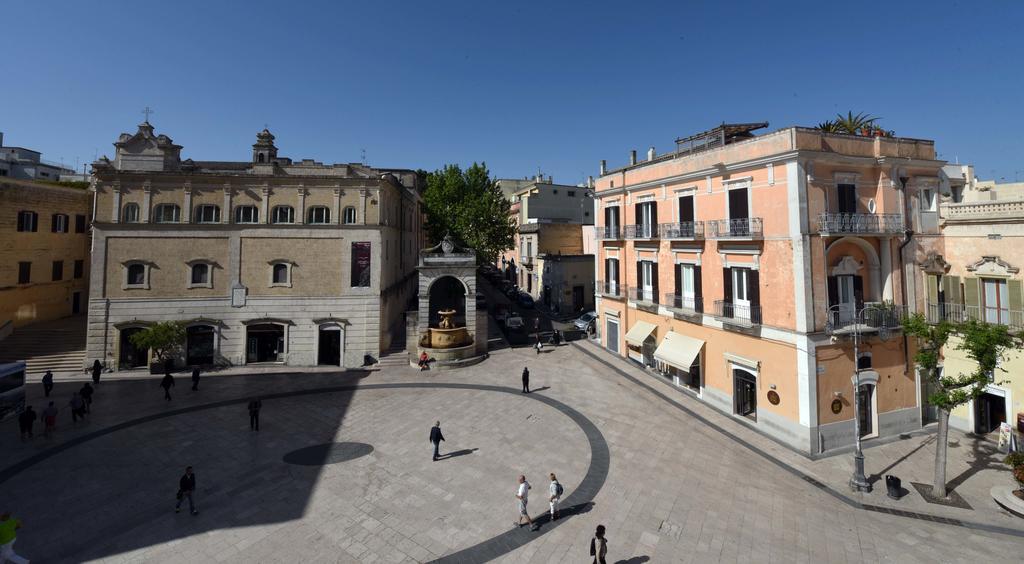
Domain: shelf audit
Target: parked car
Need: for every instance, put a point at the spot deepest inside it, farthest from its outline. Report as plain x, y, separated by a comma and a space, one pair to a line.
586, 322
515, 323
525, 300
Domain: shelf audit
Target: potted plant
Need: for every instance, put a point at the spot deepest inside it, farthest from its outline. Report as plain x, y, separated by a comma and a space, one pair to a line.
164, 339
1015, 460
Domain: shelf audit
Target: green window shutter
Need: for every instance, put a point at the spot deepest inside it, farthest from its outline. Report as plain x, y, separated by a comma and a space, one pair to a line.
933, 288
971, 297
951, 287
1013, 288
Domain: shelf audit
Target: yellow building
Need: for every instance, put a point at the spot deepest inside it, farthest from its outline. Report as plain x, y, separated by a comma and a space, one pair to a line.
44, 251
976, 274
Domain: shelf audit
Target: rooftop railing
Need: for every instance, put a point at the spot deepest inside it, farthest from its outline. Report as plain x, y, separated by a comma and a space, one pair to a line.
998, 209
860, 223
749, 228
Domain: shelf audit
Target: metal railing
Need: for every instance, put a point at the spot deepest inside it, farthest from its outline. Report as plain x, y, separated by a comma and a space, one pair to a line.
642, 295
842, 318
860, 223
744, 313
610, 288
692, 304
642, 231
682, 230
525, 259
744, 227
959, 313
612, 232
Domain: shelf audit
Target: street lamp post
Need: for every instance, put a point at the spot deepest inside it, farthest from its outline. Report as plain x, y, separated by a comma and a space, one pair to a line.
858, 481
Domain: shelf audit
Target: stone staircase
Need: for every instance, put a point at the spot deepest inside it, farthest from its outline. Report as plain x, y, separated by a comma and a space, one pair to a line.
395, 356
55, 345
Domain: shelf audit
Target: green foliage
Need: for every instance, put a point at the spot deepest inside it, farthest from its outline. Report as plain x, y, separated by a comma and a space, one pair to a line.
1014, 459
163, 338
67, 183
829, 127
468, 205
853, 124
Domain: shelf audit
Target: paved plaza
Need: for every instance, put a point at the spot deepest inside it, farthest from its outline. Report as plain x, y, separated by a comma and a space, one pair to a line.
671, 479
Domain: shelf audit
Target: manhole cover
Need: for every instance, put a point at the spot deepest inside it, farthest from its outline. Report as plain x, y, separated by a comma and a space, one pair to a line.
329, 453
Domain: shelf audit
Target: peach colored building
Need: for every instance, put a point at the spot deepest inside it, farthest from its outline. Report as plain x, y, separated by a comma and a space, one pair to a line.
739, 266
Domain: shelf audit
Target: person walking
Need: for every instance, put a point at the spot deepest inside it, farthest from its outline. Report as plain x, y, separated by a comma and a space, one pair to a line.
522, 495
47, 383
8, 534
97, 369
254, 414
77, 407
86, 393
167, 383
186, 487
599, 546
49, 419
554, 496
195, 378
435, 439
526, 380
538, 345
26, 419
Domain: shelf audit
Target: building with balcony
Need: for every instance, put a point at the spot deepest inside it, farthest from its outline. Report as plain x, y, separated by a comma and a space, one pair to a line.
266, 260
976, 274
740, 266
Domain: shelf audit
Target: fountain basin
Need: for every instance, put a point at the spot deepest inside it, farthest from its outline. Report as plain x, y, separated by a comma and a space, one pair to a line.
448, 338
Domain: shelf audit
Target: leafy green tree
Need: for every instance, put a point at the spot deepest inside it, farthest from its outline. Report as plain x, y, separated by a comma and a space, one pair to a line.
469, 205
163, 338
983, 343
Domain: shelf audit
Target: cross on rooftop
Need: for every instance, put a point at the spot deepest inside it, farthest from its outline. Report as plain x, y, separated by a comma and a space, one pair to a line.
147, 113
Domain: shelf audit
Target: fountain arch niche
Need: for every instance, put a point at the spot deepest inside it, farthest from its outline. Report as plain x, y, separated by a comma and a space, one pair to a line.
447, 325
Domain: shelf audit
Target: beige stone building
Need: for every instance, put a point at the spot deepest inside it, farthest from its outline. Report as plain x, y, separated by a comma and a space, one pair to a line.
44, 248
267, 260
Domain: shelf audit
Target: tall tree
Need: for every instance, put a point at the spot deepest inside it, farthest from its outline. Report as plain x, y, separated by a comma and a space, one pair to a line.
983, 343
469, 205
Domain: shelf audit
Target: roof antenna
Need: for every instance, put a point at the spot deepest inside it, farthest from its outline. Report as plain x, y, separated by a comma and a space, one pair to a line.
363, 153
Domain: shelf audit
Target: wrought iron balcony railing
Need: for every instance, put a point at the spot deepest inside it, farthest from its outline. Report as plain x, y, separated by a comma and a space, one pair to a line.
610, 289
748, 228
843, 318
643, 295
689, 304
748, 314
959, 313
609, 232
860, 223
682, 230
642, 231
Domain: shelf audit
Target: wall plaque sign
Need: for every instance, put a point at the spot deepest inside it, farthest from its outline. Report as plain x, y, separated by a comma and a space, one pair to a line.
773, 397
837, 406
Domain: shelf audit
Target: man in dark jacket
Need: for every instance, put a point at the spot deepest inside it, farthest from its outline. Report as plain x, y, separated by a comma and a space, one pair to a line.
186, 487
167, 383
526, 380
254, 414
97, 369
435, 438
48, 383
195, 378
25, 421
86, 393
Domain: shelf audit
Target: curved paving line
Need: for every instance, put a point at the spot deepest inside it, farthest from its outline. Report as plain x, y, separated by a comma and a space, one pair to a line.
795, 472
578, 502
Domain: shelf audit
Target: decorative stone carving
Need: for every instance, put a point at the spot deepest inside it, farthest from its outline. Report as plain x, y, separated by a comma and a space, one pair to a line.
993, 266
847, 266
933, 263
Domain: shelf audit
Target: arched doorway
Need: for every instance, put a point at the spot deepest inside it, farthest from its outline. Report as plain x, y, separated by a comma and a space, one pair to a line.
264, 343
129, 355
448, 292
330, 339
199, 344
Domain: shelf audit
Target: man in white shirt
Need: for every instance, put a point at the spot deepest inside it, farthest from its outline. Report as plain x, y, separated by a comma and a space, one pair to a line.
554, 496
521, 496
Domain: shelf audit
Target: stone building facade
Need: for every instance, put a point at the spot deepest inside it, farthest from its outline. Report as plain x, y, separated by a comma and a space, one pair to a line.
266, 261
44, 252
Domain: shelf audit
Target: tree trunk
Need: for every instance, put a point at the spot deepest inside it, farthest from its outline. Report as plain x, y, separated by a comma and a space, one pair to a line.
941, 444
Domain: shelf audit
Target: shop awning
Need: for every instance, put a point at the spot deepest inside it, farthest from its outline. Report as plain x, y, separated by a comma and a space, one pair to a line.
678, 350
639, 332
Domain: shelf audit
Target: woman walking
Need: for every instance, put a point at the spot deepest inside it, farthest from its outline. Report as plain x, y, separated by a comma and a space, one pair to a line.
599, 546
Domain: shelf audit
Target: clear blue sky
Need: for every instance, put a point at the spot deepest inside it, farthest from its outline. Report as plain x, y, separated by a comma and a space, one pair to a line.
519, 85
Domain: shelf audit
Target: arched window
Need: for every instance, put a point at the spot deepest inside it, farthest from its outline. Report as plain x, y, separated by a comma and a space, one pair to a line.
247, 214
864, 361
136, 275
283, 214
130, 213
28, 221
281, 273
318, 214
59, 223
349, 215
167, 213
200, 274
207, 213
259, 158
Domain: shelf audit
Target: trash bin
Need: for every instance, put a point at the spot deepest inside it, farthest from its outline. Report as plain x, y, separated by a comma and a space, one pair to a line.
892, 484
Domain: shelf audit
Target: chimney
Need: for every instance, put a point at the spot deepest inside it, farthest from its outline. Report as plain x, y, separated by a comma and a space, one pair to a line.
590, 182
604, 167
650, 154
632, 157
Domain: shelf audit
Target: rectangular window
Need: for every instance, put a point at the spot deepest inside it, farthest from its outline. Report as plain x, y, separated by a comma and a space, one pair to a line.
686, 209
28, 221
207, 213
846, 198
58, 270
572, 193
79, 223
247, 214
24, 272
928, 200
59, 223
361, 265
996, 301
79, 269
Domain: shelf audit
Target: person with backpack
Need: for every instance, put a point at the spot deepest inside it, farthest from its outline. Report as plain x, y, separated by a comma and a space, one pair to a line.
599, 546
554, 496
